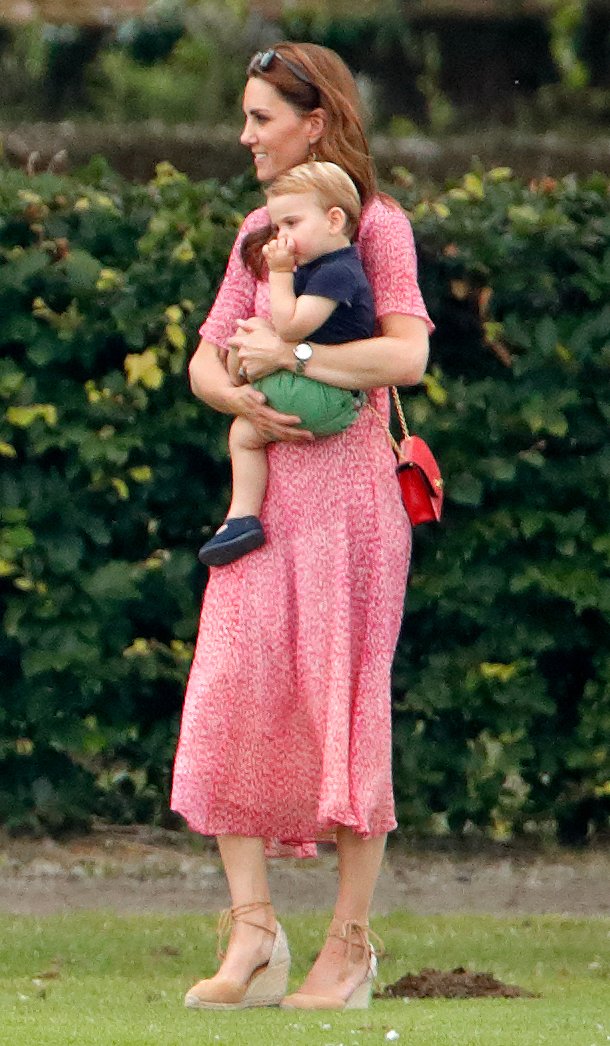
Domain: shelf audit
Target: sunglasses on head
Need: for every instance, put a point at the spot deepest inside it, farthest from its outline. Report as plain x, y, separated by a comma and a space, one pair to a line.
263, 59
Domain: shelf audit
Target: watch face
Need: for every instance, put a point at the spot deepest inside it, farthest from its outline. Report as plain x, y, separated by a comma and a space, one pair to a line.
303, 352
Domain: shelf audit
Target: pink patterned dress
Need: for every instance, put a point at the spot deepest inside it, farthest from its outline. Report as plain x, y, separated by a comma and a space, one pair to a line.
286, 728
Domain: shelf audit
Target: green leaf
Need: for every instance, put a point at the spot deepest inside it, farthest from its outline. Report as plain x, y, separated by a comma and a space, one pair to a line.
143, 368
82, 271
23, 417
111, 582
465, 489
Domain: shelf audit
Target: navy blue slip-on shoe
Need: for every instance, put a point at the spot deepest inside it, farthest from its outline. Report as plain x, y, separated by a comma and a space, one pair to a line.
233, 539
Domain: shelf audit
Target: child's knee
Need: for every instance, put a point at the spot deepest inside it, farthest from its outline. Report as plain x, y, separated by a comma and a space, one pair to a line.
243, 435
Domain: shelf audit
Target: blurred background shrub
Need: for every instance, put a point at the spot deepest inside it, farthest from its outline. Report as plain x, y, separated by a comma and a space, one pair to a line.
433, 67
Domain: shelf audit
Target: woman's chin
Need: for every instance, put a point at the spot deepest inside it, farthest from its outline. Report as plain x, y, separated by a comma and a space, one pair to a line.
264, 171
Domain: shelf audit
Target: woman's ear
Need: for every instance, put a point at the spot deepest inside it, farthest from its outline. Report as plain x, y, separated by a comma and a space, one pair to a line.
317, 126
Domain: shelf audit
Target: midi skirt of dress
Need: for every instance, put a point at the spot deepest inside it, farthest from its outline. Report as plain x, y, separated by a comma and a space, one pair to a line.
286, 729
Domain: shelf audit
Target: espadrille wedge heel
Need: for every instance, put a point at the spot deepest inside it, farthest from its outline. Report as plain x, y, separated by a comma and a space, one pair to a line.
355, 936
266, 985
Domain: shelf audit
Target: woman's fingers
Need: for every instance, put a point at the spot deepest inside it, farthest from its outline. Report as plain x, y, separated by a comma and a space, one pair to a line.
252, 323
271, 424
269, 418
282, 433
249, 399
260, 350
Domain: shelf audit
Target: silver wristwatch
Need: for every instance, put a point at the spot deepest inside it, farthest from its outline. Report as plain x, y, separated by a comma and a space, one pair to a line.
302, 353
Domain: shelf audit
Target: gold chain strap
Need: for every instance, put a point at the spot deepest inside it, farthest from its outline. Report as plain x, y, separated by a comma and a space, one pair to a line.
401, 419
399, 411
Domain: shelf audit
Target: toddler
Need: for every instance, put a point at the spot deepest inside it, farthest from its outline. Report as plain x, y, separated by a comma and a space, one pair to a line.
318, 290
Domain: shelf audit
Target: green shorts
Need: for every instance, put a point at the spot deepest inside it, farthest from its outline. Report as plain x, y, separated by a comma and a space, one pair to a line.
323, 409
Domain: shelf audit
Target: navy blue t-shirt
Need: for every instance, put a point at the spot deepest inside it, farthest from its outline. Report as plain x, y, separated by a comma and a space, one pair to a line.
339, 276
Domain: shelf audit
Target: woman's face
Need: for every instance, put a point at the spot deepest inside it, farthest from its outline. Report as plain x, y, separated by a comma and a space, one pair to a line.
277, 135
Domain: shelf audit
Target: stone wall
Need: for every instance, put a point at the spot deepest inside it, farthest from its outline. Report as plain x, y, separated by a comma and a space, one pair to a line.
205, 153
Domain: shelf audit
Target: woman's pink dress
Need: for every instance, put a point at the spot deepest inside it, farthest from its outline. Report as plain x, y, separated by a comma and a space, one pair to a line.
286, 726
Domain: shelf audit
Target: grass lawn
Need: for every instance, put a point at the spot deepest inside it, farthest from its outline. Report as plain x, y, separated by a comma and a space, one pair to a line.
120, 980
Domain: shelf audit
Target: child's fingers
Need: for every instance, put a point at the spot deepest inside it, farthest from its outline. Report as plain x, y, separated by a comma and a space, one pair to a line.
289, 244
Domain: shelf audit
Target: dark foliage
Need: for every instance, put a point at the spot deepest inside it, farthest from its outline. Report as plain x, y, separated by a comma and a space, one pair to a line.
111, 473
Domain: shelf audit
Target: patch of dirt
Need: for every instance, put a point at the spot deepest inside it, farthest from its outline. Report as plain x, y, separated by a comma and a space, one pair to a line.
451, 984
139, 869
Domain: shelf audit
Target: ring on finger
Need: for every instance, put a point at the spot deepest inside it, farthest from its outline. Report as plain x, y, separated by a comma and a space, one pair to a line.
242, 373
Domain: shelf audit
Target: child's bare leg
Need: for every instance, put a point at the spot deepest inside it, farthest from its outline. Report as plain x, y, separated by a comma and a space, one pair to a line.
242, 530
250, 472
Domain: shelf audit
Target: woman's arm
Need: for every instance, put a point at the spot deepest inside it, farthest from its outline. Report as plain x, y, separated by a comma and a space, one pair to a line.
397, 357
211, 383
210, 380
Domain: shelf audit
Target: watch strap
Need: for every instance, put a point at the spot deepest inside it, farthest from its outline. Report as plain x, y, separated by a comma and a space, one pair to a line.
301, 363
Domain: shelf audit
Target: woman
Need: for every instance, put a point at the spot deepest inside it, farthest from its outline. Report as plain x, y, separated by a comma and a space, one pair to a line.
285, 736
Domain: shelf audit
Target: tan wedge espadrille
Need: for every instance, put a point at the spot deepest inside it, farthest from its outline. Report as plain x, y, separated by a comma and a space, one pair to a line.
266, 985
356, 938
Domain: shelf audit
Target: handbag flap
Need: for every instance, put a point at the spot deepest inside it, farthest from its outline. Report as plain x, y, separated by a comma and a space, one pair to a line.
415, 453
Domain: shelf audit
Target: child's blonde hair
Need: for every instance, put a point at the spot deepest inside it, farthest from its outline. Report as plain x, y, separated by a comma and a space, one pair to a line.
332, 186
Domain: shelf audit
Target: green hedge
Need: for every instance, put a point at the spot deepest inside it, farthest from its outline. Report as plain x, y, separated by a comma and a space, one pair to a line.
503, 713
112, 473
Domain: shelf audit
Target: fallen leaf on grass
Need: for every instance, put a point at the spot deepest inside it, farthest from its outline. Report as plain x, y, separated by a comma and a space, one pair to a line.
52, 972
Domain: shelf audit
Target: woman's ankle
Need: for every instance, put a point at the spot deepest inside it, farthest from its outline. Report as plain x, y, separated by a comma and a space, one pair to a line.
341, 920
261, 913
346, 928
249, 947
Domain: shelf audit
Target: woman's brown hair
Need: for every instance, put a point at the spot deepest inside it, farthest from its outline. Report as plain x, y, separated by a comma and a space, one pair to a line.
333, 89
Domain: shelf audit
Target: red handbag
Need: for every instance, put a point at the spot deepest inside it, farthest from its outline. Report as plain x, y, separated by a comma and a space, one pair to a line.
421, 483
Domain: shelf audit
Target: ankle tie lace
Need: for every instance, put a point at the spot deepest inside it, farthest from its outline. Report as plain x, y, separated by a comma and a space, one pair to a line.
236, 914
355, 935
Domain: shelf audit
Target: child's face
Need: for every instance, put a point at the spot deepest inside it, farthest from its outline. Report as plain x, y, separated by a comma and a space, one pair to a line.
313, 231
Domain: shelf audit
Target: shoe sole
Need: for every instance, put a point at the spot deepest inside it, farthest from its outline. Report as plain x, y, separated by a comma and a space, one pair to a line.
229, 551
266, 988
198, 1005
360, 998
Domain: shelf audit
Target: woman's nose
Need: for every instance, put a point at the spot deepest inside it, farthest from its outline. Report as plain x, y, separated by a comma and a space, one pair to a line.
246, 137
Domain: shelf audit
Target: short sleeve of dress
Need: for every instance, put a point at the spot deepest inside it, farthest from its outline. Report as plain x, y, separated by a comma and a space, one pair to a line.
335, 280
387, 250
236, 294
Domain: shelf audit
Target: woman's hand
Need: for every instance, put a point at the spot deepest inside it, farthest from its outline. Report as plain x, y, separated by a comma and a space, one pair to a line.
261, 351
273, 427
